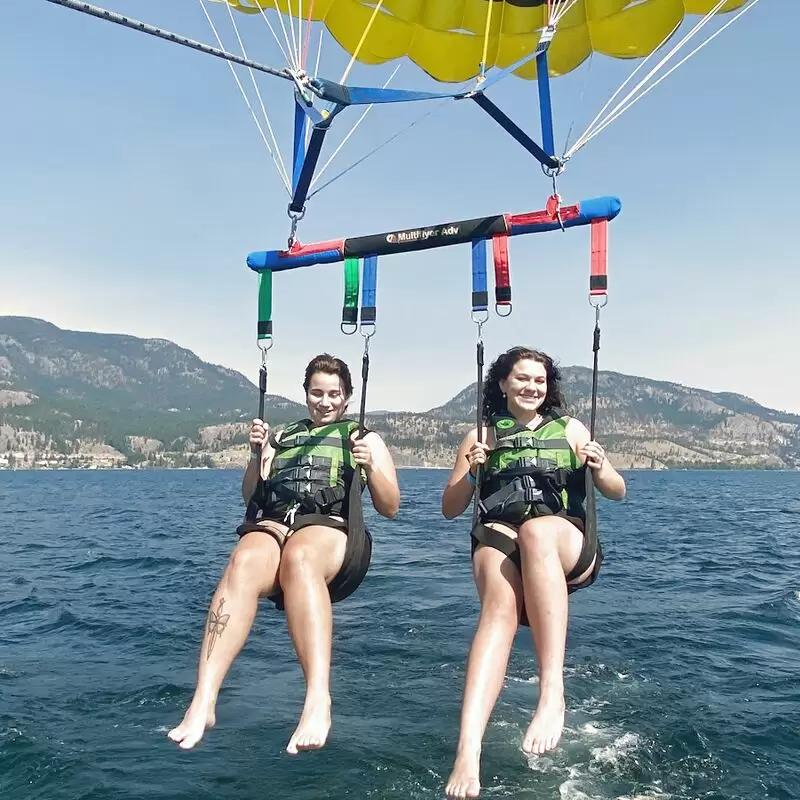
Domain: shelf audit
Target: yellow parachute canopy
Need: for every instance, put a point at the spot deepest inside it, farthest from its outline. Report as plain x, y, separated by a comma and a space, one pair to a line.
447, 38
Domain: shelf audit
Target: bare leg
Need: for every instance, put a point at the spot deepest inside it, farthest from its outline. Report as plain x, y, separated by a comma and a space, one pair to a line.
500, 590
549, 547
251, 572
311, 559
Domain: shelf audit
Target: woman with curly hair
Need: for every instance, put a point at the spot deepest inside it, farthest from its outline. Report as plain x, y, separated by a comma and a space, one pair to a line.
529, 551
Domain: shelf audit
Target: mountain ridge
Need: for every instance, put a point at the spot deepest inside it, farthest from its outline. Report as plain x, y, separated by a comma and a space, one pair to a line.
85, 399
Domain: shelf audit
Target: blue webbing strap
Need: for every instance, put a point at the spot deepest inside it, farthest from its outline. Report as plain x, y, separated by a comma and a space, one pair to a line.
545, 103
516, 132
369, 291
480, 292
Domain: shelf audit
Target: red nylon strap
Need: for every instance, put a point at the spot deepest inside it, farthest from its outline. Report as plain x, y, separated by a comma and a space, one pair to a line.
548, 215
598, 281
298, 249
502, 276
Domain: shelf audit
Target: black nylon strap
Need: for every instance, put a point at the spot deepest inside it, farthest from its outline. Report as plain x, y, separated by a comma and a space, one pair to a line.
590, 531
497, 541
251, 512
356, 530
530, 443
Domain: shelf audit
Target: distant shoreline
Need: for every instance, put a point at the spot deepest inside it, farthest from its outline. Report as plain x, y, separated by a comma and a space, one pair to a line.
127, 468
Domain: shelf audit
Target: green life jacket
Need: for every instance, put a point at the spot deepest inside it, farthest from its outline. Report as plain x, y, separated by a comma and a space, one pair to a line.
311, 471
531, 473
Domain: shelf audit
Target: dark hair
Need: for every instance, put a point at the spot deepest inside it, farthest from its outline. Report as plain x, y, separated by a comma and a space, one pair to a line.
494, 402
332, 366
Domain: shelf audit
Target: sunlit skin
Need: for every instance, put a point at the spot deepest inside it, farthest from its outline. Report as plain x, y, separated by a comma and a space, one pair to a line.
302, 569
549, 548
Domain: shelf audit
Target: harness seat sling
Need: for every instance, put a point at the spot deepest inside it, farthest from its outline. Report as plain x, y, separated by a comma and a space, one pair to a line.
529, 474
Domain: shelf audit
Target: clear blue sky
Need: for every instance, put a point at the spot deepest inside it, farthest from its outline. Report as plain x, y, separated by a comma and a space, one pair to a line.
134, 183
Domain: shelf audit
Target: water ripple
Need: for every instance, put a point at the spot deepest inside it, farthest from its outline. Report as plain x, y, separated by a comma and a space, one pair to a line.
681, 667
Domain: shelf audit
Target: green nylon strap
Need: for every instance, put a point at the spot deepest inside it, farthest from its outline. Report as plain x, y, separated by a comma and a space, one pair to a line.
351, 287
265, 305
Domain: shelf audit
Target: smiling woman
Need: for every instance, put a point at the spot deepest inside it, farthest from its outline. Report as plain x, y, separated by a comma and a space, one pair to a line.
303, 548
531, 545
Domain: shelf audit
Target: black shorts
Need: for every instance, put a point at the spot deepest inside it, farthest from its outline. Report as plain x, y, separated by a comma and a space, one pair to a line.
497, 540
357, 557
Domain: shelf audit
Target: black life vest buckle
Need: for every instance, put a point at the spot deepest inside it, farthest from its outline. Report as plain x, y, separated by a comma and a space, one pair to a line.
330, 495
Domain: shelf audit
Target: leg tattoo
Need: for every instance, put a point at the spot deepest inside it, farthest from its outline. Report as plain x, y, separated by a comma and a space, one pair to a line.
216, 626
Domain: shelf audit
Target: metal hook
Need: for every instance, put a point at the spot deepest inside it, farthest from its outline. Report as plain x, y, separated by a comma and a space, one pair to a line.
264, 348
554, 172
295, 217
480, 317
368, 334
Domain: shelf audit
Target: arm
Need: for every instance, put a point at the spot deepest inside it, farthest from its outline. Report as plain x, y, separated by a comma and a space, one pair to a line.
458, 492
259, 435
373, 455
610, 483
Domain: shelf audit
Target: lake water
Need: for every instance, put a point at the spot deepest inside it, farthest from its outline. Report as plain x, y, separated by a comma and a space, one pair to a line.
683, 660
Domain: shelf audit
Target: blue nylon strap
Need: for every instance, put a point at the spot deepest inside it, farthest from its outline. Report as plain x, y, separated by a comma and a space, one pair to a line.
503, 73
299, 150
369, 290
480, 291
364, 95
306, 175
514, 130
545, 103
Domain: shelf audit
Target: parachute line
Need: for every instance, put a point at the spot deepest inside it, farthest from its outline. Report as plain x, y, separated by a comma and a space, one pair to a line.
630, 77
484, 59
580, 102
363, 39
352, 130
293, 44
496, 77
394, 137
275, 36
282, 174
558, 9
683, 60
319, 53
309, 25
299, 32
281, 164
631, 98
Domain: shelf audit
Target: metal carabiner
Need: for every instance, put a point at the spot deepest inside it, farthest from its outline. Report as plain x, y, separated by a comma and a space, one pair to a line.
295, 217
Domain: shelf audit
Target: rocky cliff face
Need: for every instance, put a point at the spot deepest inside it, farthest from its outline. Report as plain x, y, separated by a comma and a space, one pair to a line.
643, 424
79, 399
83, 399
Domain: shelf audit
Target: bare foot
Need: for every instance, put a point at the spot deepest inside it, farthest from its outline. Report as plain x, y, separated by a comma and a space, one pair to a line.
197, 720
547, 724
466, 775
315, 722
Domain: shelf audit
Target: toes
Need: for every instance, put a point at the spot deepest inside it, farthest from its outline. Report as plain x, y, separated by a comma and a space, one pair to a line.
459, 790
189, 741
